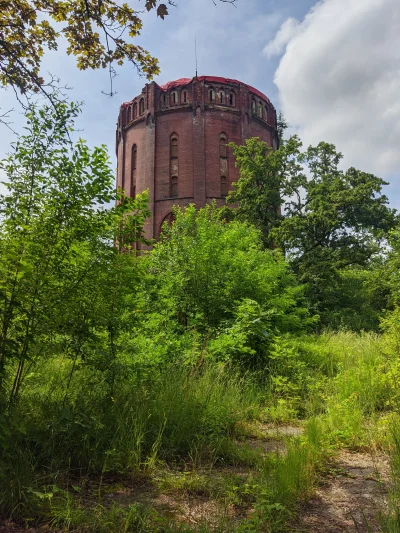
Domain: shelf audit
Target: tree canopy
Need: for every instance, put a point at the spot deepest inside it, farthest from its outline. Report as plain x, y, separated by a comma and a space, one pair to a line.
325, 219
266, 176
99, 33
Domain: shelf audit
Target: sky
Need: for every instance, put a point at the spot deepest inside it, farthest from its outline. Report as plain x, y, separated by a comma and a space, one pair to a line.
332, 67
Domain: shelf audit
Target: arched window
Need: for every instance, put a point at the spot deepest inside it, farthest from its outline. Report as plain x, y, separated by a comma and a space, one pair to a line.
222, 145
134, 110
141, 106
174, 187
134, 157
253, 106
133, 170
167, 220
266, 114
221, 97
231, 99
260, 109
163, 100
174, 97
184, 97
211, 95
224, 187
174, 146
174, 166
129, 117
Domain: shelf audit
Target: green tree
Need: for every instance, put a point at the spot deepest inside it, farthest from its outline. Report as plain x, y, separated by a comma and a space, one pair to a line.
266, 177
325, 219
282, 126
56, 237
390, 322
354, 297
205, 268
99, 33
392, 266
334, 220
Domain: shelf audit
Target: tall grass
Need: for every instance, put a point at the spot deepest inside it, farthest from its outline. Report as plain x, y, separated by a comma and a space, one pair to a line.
390, 520
344, 377
62, 429
172, 414
358, 391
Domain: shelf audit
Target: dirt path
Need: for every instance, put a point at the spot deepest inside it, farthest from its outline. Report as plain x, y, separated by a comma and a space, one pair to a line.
352, 492
350, 498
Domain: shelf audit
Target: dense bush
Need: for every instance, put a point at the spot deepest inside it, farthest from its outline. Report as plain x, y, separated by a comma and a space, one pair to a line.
214, 277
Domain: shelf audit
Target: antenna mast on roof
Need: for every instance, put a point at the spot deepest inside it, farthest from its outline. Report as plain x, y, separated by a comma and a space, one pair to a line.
195, 51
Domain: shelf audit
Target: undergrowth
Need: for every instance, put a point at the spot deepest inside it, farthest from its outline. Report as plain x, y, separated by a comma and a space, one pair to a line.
182, 431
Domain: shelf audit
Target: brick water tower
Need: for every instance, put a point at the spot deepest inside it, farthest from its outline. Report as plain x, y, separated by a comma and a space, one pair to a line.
172, 140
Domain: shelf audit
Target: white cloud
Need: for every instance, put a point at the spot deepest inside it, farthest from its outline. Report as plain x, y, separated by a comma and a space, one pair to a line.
339, 79
286, 32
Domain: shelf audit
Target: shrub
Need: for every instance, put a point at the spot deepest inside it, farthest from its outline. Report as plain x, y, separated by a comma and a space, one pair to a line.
215, 277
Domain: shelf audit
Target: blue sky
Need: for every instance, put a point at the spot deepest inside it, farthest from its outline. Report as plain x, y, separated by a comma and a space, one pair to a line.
333, 67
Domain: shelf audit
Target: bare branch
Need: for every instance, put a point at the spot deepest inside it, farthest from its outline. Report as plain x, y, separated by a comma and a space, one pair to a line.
3, 120
233, 2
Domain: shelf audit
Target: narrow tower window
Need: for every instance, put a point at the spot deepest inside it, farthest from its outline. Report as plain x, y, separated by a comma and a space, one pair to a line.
231, 99
174, 166
133, 167
134, 157
184, 97
266, 114
174, 187
174, 97
222, 145
129, 118
253, 106
141, 106
174, 146
134, 110
211, 95
224, 187
221, 97
223, 164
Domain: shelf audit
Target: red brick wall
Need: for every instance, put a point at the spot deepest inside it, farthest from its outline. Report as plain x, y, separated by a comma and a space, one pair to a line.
198, 123
217, 122
136, 135
181, 123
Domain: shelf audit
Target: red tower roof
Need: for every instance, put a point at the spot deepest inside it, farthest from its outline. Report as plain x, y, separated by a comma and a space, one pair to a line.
211, 79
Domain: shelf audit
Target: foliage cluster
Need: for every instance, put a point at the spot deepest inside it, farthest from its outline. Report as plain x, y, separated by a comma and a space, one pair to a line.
215, 278
99, 33
60, 285
333, 225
